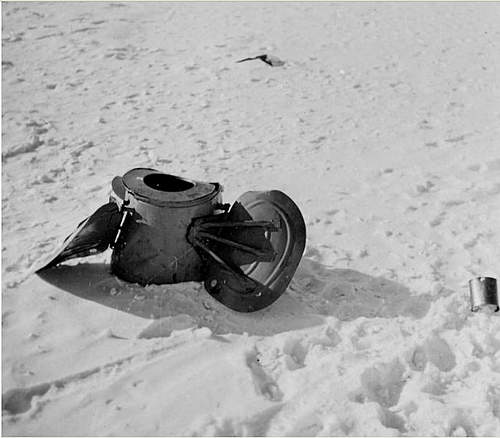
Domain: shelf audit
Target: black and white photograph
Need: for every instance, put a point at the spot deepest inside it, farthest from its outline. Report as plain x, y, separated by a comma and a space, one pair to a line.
232, 218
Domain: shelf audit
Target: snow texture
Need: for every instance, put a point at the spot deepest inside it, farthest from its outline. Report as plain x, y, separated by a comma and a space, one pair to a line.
382, 124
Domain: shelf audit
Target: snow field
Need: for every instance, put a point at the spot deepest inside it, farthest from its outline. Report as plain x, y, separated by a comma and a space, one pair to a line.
383, 128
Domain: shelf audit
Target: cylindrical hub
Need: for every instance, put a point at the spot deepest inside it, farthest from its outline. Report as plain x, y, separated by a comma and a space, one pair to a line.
152, 247
483, 292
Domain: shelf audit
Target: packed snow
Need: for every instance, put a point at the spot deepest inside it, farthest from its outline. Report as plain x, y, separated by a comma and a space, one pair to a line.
381, 123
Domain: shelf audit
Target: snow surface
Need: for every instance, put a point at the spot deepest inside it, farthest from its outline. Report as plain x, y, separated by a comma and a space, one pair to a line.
382, 125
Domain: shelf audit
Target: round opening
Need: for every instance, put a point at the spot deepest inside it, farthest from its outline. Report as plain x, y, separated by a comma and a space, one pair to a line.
167, 183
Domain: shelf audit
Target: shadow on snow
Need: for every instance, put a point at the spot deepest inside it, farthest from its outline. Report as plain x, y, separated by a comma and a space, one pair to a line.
316, 291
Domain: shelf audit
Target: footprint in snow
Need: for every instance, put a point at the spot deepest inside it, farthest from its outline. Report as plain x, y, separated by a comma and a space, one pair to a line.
264, 384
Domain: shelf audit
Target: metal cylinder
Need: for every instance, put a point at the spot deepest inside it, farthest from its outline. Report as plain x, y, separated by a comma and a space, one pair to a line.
483, 292
152, 247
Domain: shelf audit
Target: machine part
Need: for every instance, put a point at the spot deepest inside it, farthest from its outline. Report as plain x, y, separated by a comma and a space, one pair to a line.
152, 247
288, 243
238, 291
167, 229
92, 236
118, 190
483, 292
164, 190
250, 277
234, 237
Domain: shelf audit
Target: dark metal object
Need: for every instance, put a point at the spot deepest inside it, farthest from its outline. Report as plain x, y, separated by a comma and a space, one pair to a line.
274, 225
271, 60
234, 236
167, 229
152, 247
92, 236
483, 292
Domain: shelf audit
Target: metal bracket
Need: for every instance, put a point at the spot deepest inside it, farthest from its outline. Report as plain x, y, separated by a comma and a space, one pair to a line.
125, 212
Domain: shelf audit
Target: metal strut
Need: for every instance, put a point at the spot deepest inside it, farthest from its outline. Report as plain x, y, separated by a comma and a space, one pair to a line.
234, 237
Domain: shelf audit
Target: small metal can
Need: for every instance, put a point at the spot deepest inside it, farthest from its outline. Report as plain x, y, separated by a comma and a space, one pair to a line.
483, 292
